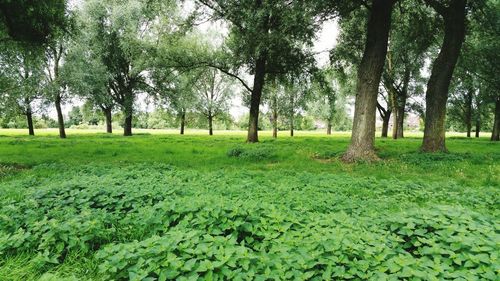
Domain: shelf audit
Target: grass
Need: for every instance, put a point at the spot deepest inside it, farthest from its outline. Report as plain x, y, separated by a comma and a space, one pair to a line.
97, 206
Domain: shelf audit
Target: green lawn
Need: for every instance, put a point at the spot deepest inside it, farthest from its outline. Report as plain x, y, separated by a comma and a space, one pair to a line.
162, 206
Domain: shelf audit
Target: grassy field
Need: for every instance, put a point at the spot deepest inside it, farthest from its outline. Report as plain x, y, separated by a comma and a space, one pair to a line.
159, 206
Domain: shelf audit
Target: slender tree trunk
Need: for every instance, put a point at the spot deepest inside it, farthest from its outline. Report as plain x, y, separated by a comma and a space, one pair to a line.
329, 128
369, 73
109, 120
468, 113
258, 85
291, 126
442, 72
275, 123
495, 134
478, 126
210, 125
60, 118
29, 118
402, 96
385, 124
183, 122
400, 120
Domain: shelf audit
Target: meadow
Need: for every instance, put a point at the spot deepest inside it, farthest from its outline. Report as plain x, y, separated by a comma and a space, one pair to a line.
160, 206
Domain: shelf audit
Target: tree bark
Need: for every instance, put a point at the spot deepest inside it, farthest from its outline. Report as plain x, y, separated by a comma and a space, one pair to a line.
385, 124
183, 122
29, 118
495, 134
291, 126
329, 128
128, 104
442, 72
478, 126
400, 122
127, 126
369, 74
275, 123
60, 118
258, 85
210, 125
468, 112
109, 121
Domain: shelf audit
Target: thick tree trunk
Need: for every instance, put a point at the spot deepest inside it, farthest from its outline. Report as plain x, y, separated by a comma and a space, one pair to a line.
329, 128
29, 118
385, 124
128, 104
127, 126
442, 72
210, 125
109, 120
495, 134
275, 123
183, 122
369, 73
258, 85
468, 112
400, 122
60, 118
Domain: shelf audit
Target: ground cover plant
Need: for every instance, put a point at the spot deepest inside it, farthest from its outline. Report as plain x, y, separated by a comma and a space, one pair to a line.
162, 207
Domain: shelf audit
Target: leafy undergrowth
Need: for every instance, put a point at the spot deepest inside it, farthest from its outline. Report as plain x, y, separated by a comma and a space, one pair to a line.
157, 222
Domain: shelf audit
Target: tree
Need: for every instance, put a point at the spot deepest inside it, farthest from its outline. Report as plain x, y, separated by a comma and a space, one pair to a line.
86, 76
56, 90
123, 36
325, 89
369, 74
176, 90
406, 55
31, 22
266, 37
213, 94
24, 81
453, 14
294, 100
75, 116
495, 135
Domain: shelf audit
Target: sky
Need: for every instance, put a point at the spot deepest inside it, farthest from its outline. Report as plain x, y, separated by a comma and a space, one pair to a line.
324, 42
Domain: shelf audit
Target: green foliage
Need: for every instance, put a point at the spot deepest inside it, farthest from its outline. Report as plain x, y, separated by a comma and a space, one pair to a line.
31, 21
252, 152
155, 222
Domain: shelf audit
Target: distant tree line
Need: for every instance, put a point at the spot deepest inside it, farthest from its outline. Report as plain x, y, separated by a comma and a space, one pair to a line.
435, 58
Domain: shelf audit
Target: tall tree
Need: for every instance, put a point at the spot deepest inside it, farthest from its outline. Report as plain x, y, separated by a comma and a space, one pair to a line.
294, 100
406, 55
123, 35
22, 70
325, 89
57, 90
214, 91
267, 37
369, 74
453, 14
86, 77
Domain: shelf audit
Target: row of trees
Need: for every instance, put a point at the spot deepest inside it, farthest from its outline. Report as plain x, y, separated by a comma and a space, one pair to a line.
113, 50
